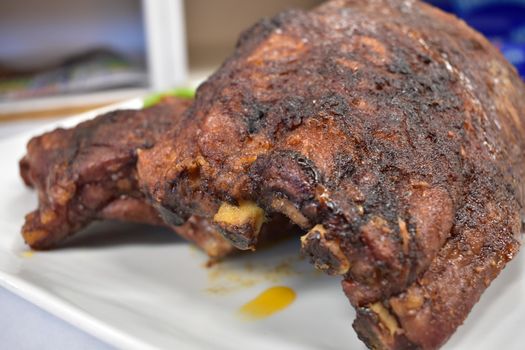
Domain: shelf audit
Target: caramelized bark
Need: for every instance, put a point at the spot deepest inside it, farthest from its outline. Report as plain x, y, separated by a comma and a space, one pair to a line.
392, 125
89, 173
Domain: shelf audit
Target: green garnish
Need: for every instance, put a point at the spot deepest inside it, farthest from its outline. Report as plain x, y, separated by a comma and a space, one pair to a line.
153, 99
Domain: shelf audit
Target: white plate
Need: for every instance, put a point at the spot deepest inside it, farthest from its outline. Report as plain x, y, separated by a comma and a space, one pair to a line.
136, 287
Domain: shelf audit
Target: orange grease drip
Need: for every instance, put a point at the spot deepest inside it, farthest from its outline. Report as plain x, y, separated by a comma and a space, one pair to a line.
267, 303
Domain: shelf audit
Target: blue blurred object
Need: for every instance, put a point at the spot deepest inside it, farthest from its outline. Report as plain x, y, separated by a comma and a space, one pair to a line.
502, 21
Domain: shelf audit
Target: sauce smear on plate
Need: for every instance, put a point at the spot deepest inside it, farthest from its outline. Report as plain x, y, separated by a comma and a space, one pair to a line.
267, 303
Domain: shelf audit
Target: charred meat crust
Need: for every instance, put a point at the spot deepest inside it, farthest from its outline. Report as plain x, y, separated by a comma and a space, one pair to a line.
381, 121
89, 173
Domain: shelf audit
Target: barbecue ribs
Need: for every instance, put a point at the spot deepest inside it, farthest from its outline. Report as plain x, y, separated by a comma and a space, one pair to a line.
390, 131
89, 173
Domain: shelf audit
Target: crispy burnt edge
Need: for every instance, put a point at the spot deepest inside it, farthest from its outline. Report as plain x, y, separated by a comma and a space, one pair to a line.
295, 208
132, 207
318, 233
427, 313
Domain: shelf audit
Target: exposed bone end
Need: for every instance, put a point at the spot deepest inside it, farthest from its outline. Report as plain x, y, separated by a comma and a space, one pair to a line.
36, 238
407, 303
246, 213
379, 329
34, 235
405, 236
201, 232
385, 317
287, 208
216, 248
240, 224
325, 254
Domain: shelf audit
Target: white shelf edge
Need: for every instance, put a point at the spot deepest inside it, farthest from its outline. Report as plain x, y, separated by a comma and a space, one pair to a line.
65, 101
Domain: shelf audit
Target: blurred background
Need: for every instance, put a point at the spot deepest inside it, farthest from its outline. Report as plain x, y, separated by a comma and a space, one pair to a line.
63, 56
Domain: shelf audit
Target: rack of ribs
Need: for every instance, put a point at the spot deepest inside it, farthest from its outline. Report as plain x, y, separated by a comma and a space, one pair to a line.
89, 173
389, 131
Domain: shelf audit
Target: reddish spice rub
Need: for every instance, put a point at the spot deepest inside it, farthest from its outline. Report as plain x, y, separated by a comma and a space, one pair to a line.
89, 173
389, 130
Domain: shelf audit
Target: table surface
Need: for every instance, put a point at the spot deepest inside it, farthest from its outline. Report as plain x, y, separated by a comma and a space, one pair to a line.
24, 325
